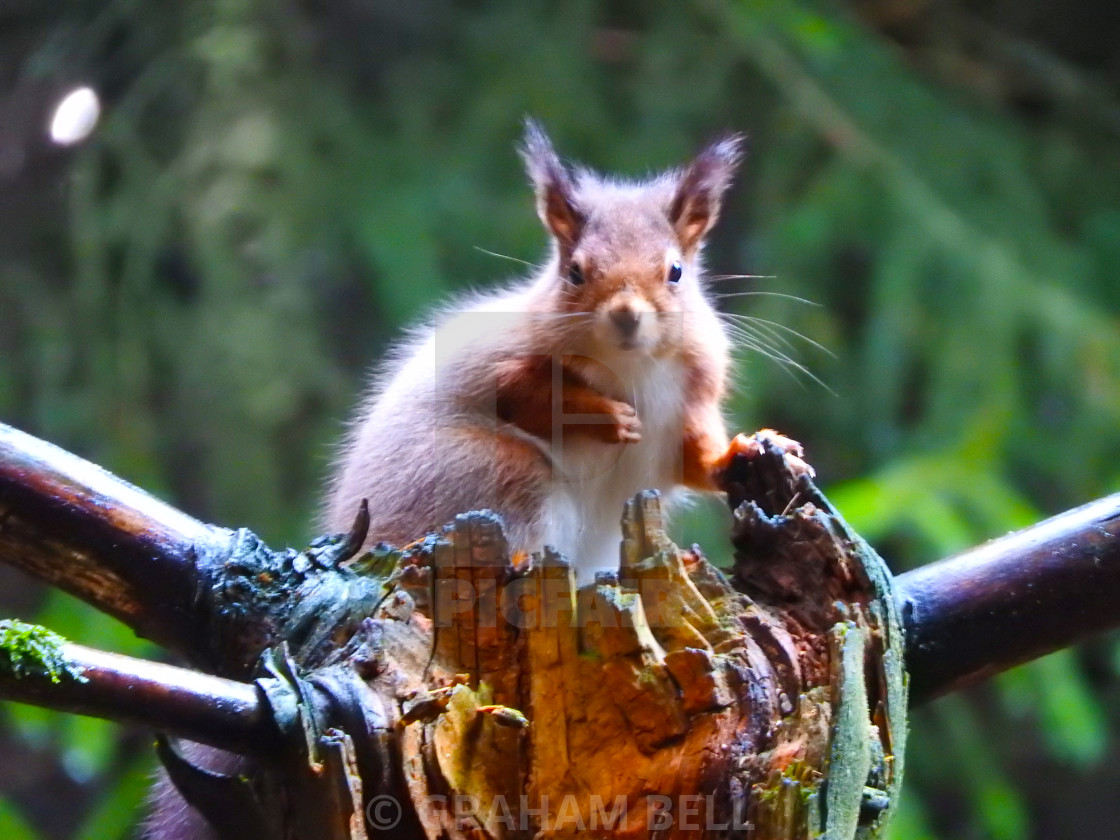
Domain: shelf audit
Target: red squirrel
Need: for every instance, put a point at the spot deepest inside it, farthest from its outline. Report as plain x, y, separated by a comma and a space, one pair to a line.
554, 401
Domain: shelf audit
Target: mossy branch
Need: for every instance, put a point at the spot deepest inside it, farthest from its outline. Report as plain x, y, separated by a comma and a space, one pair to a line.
41, 668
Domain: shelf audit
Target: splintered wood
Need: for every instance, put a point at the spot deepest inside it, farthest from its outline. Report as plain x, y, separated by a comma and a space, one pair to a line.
668, 697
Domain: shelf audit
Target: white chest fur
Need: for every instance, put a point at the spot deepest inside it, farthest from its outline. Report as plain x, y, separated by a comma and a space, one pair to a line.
593, 481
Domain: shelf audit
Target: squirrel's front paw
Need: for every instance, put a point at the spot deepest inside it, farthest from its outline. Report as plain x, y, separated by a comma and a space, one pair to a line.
627, 426
589, 414
752, 447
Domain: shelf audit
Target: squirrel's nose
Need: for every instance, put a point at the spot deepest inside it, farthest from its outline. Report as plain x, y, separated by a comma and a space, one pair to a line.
626, 320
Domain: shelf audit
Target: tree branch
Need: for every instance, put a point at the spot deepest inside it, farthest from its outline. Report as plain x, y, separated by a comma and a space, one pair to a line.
216, 597
1011, 600
176, 701
77, 527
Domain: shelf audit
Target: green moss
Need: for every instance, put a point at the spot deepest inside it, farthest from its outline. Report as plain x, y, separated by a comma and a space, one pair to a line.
31, 649
766, 795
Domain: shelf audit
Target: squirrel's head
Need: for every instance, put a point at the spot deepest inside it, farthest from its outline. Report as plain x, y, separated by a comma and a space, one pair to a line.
627, 253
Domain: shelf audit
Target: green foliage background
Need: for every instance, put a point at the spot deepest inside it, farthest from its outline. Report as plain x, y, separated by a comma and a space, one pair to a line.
191, 298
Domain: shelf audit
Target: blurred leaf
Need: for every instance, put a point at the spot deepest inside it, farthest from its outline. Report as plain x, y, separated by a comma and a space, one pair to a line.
909, 821
999, 808
1073, 724
12, 824
88, 746
116, 814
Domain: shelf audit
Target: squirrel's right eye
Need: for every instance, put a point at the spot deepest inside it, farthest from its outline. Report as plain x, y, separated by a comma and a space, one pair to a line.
575, 274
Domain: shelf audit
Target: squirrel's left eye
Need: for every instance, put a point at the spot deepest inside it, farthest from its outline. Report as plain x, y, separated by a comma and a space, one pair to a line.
675, 272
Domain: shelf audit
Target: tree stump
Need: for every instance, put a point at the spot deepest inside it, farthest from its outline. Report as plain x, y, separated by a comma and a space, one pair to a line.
499, 701
449, 690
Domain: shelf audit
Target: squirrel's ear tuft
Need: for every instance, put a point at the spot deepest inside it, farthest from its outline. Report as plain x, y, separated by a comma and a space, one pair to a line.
700, 189
553, 185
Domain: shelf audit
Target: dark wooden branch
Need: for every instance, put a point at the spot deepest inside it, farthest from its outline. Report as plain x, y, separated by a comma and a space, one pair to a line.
217, 597
1012, 599
177, 701
76, 526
